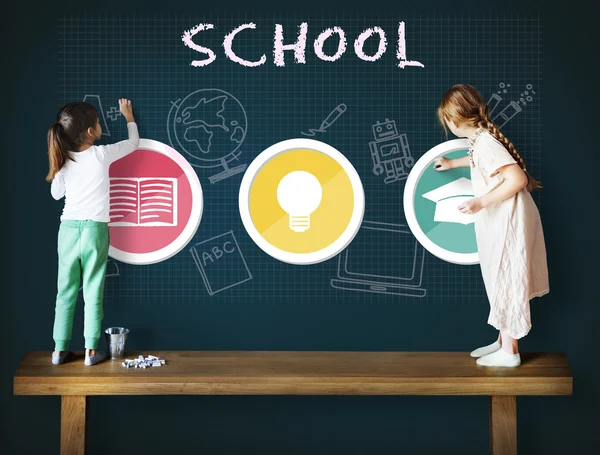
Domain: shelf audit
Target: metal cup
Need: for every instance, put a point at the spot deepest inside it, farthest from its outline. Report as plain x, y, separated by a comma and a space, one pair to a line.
115, 341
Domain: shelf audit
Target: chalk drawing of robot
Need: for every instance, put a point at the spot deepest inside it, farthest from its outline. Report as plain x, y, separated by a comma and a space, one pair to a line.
390, 152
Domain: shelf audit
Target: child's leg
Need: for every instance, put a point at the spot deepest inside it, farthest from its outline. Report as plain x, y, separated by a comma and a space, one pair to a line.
509, 344
95, 242
69, 271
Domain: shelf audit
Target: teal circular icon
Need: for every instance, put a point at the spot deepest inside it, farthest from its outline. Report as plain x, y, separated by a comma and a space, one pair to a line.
431, 200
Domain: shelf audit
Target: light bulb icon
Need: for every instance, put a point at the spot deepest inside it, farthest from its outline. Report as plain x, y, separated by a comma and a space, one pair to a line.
299, 194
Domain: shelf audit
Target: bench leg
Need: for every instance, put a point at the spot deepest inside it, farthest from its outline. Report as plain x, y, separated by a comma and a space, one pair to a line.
503, 425
73, 424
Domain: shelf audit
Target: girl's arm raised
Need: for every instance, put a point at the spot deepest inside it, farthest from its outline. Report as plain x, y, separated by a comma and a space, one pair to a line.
123, 148
443, 164
460, 162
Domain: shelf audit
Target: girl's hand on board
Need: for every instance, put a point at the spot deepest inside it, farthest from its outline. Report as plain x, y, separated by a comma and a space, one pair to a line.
126, 109
471, 207
442, 164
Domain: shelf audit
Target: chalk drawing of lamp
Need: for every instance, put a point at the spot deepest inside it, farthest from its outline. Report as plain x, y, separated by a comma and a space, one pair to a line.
299, 194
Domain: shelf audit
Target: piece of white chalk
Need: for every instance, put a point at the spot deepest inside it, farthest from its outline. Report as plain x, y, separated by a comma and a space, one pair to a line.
144, 362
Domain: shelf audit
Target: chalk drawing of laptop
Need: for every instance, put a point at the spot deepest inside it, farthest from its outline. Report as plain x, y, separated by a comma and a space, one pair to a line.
383, 258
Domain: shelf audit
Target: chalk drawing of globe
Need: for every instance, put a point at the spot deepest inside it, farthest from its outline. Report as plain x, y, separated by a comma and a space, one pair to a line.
208, 126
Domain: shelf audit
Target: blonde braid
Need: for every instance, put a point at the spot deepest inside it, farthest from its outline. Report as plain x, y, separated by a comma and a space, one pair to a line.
487, 124
464, 105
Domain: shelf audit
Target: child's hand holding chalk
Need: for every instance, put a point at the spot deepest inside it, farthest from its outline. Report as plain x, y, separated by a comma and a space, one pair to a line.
126, 109
442, 164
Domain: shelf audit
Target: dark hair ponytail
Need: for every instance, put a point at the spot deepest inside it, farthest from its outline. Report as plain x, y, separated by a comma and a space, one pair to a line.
68, 133
57, 150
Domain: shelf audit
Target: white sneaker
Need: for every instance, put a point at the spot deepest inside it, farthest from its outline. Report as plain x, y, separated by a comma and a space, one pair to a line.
59, 359
500, 358
94, 359
485, 350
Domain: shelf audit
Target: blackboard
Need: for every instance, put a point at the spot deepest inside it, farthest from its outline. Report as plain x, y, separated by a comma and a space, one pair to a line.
144, 58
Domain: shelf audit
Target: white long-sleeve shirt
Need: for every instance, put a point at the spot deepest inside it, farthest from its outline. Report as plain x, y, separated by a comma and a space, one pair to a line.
85, 183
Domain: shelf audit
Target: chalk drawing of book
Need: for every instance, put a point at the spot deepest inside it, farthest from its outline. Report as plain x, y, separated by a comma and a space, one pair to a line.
220, 263
144, 201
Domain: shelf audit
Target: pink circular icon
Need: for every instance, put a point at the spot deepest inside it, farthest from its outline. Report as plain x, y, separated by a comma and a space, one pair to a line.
155, 204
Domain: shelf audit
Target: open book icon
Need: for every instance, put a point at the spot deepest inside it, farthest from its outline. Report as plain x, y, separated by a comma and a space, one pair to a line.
448, 197
144, 201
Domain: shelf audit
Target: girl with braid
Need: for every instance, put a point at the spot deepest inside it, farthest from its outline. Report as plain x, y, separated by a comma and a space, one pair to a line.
510, 240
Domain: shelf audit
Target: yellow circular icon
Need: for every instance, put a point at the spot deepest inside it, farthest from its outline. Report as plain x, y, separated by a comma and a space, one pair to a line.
302, 202
328, 220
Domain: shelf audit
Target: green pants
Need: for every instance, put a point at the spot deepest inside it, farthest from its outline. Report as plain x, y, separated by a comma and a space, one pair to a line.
82, 254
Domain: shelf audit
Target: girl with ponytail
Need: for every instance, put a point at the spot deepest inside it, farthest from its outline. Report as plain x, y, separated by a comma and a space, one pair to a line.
78, 170
510, 240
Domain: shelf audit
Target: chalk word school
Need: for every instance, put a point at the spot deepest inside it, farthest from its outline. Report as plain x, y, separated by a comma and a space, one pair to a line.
299, 46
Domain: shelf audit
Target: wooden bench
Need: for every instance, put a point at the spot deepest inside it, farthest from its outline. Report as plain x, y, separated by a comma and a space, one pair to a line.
296, 373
